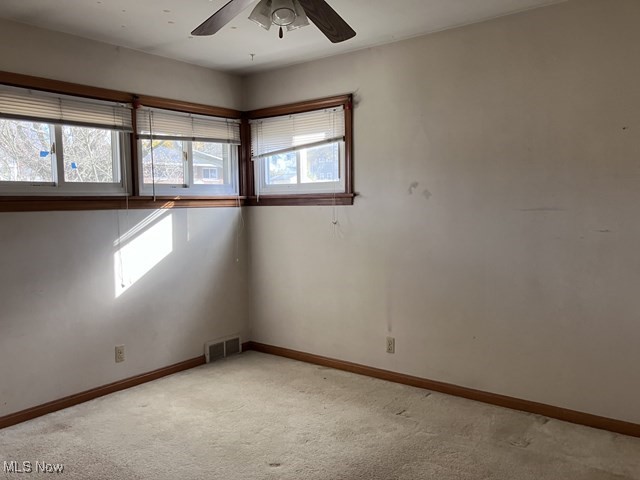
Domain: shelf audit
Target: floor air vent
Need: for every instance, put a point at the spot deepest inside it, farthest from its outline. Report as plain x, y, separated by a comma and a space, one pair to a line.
222, 348
231, 346
216, 351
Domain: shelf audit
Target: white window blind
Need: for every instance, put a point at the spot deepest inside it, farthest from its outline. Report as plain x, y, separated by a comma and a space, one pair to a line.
288, 133
32, 105
170, 125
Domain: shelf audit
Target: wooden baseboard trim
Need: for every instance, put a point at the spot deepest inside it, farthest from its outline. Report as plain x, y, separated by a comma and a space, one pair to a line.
572, 416
55, 405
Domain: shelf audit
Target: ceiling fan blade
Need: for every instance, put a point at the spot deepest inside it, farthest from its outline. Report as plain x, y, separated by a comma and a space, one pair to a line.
327, 20
223, 16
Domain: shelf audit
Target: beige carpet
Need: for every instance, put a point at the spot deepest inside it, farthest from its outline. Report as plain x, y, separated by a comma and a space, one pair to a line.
256, 416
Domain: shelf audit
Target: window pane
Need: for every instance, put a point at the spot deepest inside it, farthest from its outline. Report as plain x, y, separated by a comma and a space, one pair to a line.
320, 164
25, 152
88, 155
210, 163
168, 162
282, 169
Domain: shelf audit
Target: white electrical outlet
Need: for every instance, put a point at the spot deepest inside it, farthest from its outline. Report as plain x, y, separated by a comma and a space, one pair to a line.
391, 345
119, 353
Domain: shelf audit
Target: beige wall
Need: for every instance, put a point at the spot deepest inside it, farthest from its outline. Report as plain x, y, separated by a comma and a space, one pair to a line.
61, 311
44, 53
513, 265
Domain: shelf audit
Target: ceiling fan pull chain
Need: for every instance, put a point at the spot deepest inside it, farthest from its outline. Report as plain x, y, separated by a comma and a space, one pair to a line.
281, 34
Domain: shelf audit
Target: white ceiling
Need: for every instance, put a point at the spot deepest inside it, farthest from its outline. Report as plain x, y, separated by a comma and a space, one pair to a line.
162, 27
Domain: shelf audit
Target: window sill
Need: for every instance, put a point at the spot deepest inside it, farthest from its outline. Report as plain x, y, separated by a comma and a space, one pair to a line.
307, 199
62, 203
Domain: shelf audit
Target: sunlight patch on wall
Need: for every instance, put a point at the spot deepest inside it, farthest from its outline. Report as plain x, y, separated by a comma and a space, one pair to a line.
142, 248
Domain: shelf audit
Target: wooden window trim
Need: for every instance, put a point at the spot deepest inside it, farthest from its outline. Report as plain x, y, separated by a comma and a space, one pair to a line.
33, 203
64, 88
62, 203
98, 93
301, 107
302, 199
246, 175
180, 106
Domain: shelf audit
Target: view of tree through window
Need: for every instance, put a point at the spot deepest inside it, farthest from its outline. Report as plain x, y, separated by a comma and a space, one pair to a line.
25, 151
168, 162
88, 155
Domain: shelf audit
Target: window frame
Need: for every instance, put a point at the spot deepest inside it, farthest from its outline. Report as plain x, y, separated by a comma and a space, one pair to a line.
30, 201
300, 188
120, 161
134, 199
189, 188
278, 196
59, 185
208, 176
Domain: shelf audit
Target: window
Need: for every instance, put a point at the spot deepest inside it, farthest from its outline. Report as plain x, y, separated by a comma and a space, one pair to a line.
187, 154
210, 174
57, 144
301, 153
79, 144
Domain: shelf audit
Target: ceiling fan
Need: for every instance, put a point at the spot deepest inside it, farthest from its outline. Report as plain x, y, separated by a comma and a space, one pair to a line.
289, 14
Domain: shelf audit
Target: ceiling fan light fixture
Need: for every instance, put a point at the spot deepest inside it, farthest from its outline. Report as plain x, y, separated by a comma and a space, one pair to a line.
289, 14
283, 12
301, 17
262, 14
